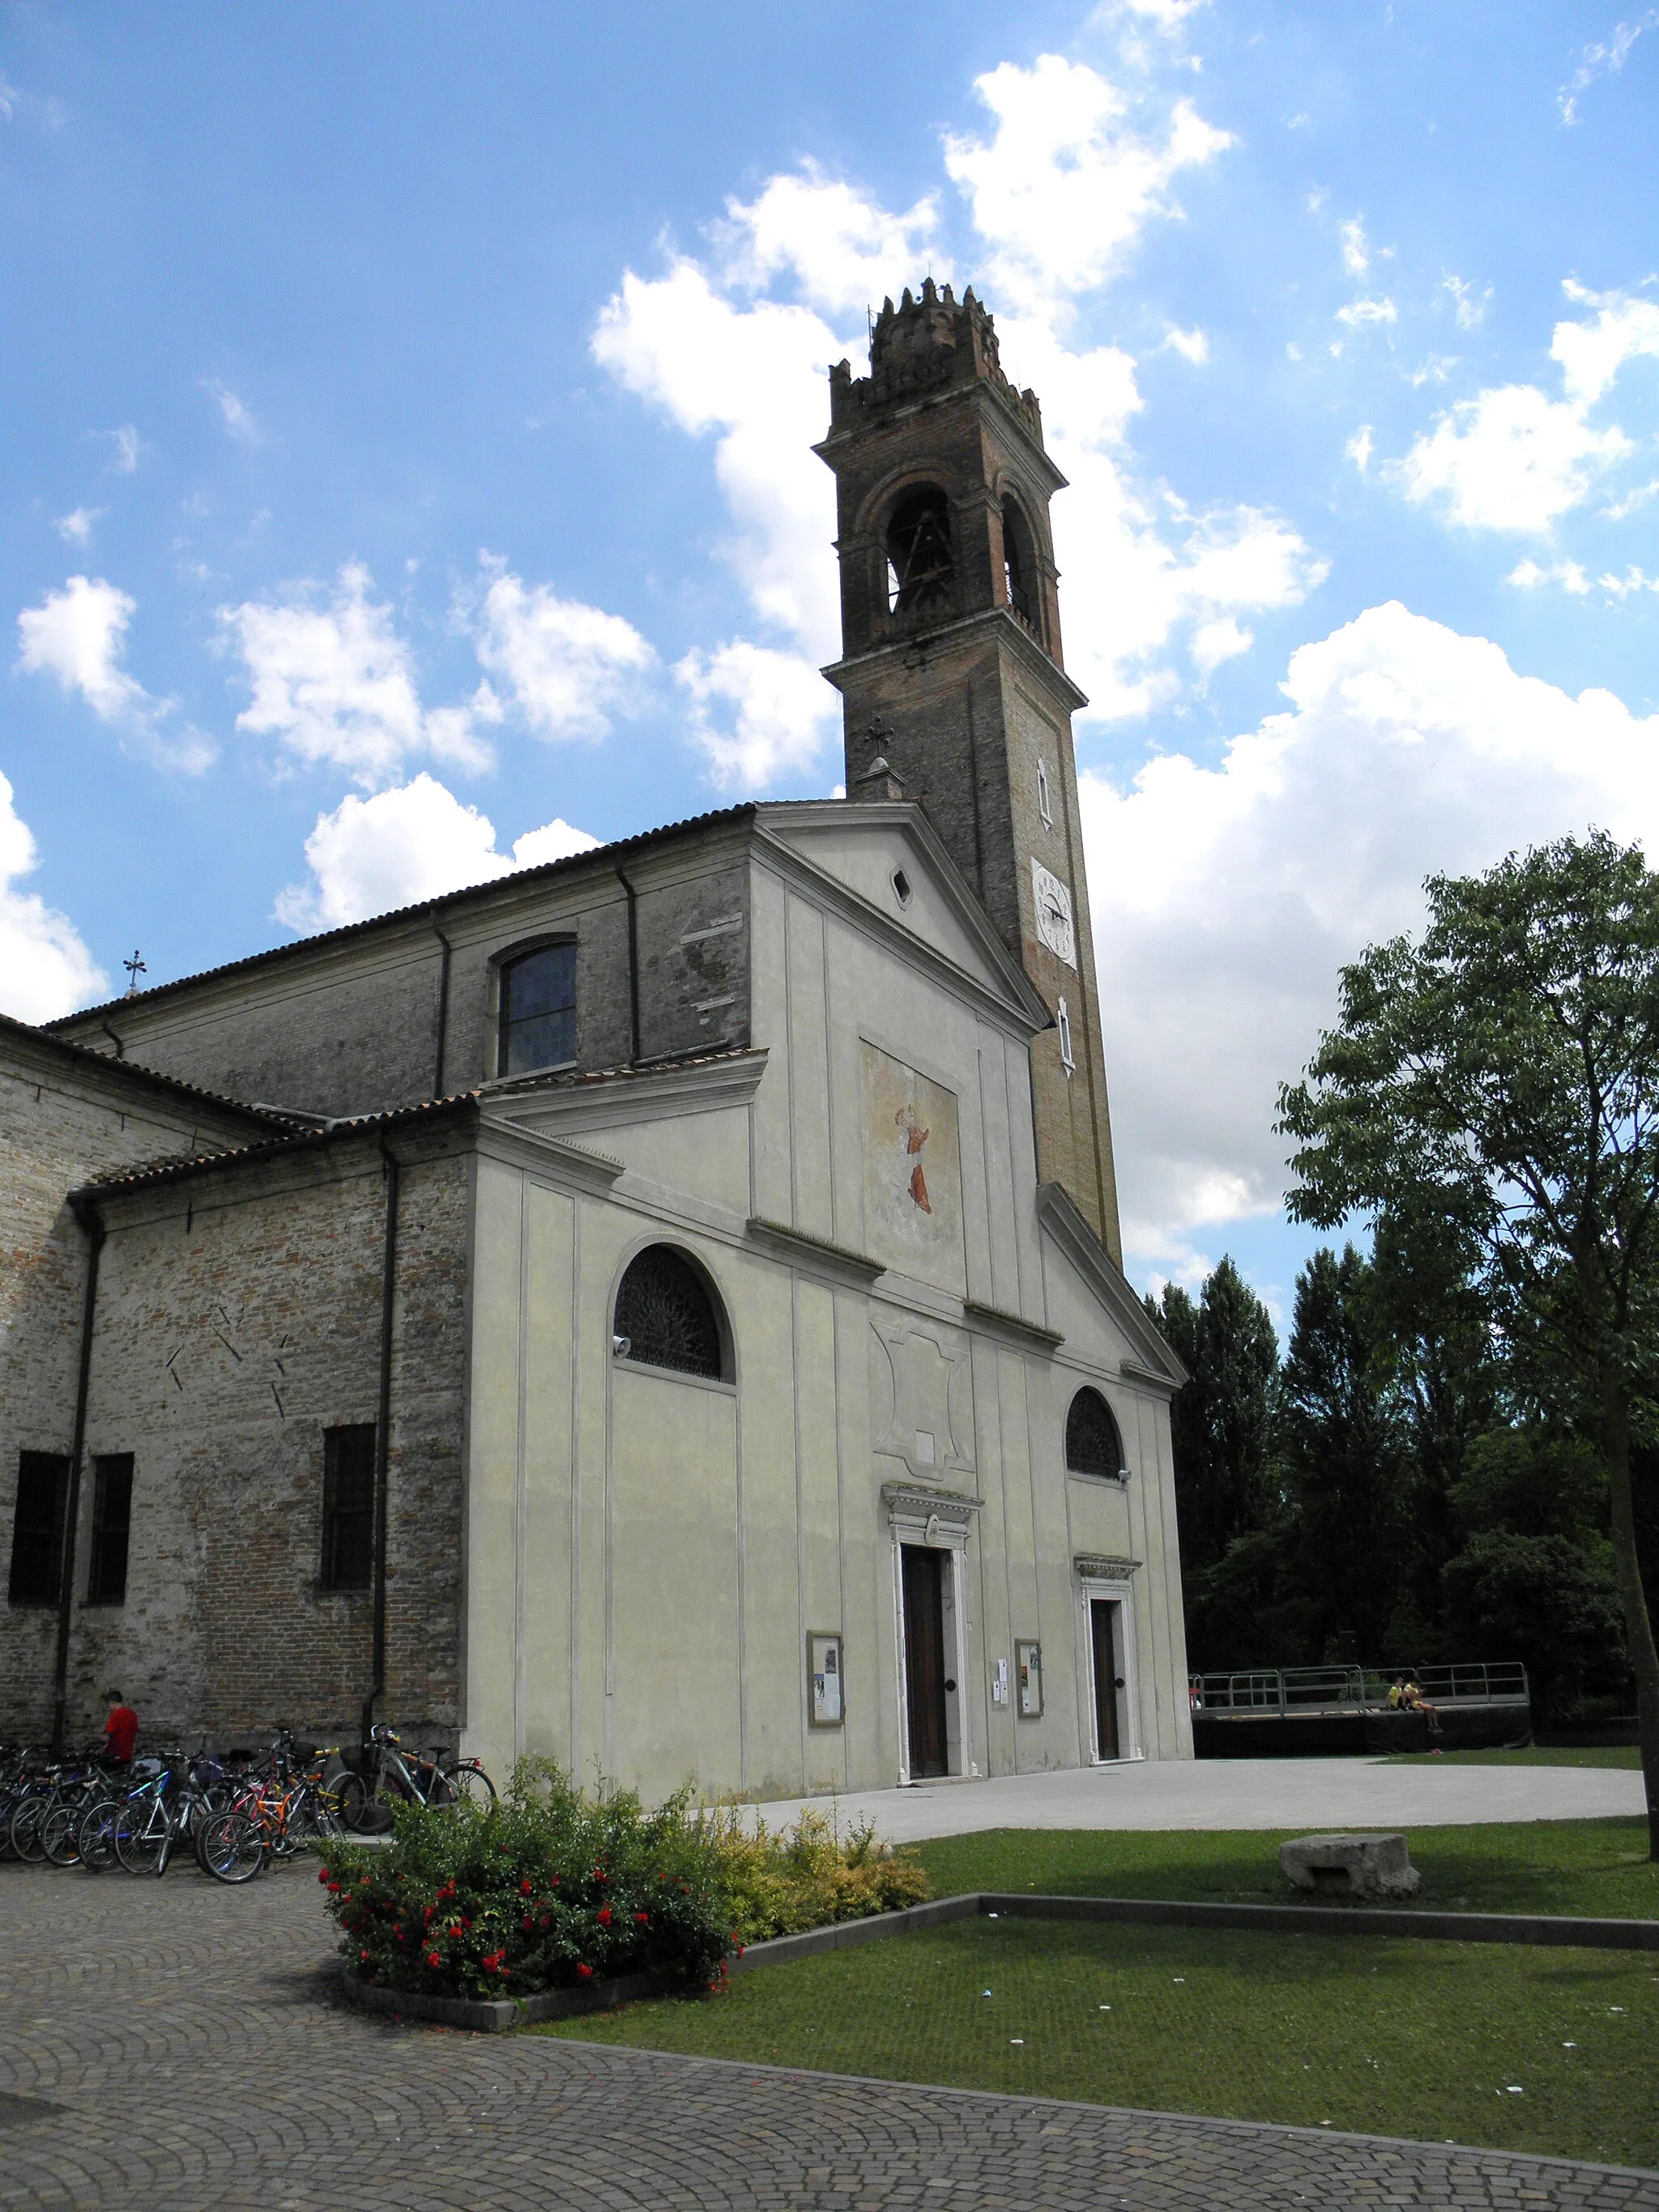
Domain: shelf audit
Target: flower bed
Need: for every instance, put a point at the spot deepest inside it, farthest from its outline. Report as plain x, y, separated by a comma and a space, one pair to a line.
553, 1890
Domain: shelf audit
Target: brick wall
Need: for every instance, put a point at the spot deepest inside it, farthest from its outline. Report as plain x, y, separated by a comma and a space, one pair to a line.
239, 1316
64, 1117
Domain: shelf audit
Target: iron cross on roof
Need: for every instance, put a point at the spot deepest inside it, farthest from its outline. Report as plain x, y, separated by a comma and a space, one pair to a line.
136, 967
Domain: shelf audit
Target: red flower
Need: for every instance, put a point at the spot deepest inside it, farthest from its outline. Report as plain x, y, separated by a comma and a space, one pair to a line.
604, 1915
640, 1918
529, 1923
587, 1972
322, 1873
433, 1960
525, 1887
364, 1955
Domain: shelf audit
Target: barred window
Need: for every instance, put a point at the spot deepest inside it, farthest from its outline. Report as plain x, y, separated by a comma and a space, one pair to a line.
919, 563
538, 1011
112, 1524
37, 1529
349, 1507
1092, 1444
667, 1317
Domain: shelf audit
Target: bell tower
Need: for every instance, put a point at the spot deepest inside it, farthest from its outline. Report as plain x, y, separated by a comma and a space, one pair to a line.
954, 691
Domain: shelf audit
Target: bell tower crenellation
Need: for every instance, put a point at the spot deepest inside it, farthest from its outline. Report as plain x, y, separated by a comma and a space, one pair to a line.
953, 684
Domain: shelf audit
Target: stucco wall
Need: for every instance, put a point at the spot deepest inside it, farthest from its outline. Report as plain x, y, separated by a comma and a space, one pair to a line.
647, 1552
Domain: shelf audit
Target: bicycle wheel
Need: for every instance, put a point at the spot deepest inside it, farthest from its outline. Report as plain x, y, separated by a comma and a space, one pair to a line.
473, 1783
230, 1847
26, 1827
60, 1832
351, 1800
95, 1839
138, 1832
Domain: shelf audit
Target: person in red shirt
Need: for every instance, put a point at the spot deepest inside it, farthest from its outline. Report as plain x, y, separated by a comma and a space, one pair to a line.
120, 1730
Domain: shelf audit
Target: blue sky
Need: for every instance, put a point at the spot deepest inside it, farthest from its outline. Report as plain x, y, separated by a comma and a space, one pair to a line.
402, 460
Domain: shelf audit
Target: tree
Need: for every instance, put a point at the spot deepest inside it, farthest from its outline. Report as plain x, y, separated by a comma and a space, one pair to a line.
1501, 1078
1222, 1418
1221, 1423
1342, 1459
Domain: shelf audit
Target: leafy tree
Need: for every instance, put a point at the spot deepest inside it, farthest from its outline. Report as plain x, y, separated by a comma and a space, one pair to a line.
1501, 1077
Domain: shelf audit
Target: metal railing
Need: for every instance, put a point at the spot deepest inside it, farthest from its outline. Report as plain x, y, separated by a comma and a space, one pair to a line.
1288, 1690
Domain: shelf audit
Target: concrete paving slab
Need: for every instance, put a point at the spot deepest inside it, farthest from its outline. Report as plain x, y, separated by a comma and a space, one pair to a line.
1236, 1793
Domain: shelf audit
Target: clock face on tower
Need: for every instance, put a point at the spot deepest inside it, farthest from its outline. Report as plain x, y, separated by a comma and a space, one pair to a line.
1053, 903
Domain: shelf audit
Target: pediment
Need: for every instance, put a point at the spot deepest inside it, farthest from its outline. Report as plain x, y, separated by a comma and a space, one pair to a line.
850, 855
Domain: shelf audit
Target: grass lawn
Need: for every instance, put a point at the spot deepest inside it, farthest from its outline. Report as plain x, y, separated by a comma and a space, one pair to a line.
1600, 1868
1386, 2035
1533, 1754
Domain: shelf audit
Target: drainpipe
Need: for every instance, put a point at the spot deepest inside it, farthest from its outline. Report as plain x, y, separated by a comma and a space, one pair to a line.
633, 966
120, 1049
382, 1435
93, 1231
443, 1005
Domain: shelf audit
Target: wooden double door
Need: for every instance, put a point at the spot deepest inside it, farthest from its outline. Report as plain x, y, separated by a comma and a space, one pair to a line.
927, 1683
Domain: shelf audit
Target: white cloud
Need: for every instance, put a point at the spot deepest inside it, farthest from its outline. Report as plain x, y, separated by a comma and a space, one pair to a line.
843, 249
1167, 15
45, 968
1063, 188
75, 528
1509, 459
757, 714
1592, 354
1528, 575
1620, 507
78, 636
1469, 305
1356, 254
1360, 447
414, 841
236, 416
332, 681
1226, 898
1360, 314
1606, 57
128, 446
1191, 345
567, 668
754, 376
1224, 639
1572, 577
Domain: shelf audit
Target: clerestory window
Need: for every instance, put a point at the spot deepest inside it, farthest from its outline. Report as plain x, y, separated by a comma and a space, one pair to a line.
538, 1010
37, 1529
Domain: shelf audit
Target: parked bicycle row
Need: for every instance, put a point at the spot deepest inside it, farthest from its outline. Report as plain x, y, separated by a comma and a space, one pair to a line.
233, 1812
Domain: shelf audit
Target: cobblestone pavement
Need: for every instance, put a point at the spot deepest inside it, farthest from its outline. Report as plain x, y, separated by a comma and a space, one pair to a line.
167, 2046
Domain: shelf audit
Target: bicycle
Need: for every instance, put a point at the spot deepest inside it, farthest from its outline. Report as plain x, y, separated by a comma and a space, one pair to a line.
382, 1769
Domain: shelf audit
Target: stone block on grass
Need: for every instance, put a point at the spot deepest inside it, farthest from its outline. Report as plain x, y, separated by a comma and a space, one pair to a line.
1349, 1866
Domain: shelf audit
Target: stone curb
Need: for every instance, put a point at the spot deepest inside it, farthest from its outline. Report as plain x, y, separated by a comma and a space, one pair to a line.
493, 2016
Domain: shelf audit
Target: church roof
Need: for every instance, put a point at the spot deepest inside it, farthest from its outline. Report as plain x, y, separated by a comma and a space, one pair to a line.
597, 855
106, 1064
175, 1169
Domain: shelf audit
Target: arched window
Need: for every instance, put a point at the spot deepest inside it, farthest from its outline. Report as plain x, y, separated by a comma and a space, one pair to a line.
1020, 566
918, 564
1092, 1444
538, 1010
665, 1316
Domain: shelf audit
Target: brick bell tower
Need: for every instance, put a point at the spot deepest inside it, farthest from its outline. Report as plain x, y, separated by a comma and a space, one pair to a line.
954, 690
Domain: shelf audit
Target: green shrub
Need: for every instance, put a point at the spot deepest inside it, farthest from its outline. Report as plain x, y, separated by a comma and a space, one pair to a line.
549, 1890
552, 1889
809, 1875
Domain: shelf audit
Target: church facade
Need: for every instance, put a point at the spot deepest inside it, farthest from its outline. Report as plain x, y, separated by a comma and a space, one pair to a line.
663, 1309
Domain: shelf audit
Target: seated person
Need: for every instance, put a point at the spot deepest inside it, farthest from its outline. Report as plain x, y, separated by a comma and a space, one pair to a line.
1397, 1692
120, 1730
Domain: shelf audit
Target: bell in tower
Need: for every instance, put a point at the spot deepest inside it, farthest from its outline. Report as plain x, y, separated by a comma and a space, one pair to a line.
954, 691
